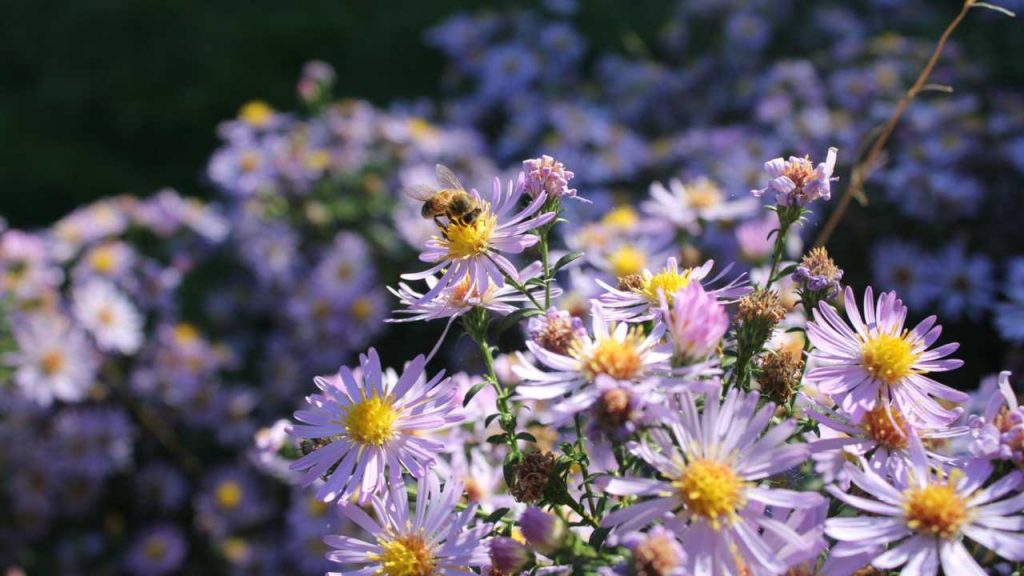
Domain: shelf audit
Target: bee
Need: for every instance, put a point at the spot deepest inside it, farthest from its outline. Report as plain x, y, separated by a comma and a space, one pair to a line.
451, 200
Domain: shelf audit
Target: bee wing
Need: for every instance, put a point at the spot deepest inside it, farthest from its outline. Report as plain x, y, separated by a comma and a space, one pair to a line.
447, 179
420, 192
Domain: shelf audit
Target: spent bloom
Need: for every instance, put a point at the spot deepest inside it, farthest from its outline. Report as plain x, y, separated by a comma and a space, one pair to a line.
474, 248
923, 517
875, 358
709, 491
545, 175
556, 330
109, 316
818, 273
53, 360
370, 428
434, 538
797, 182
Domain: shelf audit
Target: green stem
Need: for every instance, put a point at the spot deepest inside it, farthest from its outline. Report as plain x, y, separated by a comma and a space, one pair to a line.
547, 268
506, 418
583, 463
520, 287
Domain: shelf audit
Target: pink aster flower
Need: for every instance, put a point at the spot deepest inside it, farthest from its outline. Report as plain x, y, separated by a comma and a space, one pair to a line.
637, 297
710, 489
434, 538
476, 249
922, 517
797, 182
998, 433
616, 351
366, 430
696, 321
875, 358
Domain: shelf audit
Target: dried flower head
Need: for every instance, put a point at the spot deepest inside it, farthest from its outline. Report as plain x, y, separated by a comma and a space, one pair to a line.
761, 306
819, 273
781, 372
531, 477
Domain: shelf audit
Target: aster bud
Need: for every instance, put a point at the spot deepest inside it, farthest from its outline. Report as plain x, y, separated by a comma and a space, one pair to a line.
531, 477
781, 372
696, 322
556, 330
508, 556
543, 531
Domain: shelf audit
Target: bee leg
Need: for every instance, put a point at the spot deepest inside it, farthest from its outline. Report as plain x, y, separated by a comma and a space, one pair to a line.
437, 220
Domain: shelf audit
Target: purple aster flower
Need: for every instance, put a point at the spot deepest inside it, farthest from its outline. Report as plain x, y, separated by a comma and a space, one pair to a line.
998, 433
94, 441
906, 269
818, 273
797, 182
616, 351
696, 322
965, 284
658, 551
879, 360
230, 499
367, 430
26, 267
545, 175
544, 531
53, 359
109, 316
159, 550
432, 539
556, 330
638, 296
709, 489
508, 556
922, 517
686, 206
475, 249
160, 486
1009, 315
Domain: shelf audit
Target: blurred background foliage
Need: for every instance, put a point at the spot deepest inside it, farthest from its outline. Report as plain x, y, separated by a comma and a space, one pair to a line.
104, 97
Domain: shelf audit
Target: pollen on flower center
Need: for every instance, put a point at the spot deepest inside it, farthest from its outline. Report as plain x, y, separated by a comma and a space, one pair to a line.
666, 282
620, 360
371, 421
228, 495
935, 509
887, 426
800, 171
406, 555
711, 489
887, 358
627, 261
465, 240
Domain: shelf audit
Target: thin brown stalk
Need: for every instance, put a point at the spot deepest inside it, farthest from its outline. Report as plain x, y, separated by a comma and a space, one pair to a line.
865, 167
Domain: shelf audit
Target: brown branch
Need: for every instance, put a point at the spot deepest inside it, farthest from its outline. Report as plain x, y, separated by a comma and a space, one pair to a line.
863, 169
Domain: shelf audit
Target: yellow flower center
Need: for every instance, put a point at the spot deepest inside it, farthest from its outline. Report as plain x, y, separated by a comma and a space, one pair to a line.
935, 509
667, 282
704, 194
405, 556
371, 421
155, 548
421, 128
888, 358
52, 362
712, 490
887, 426
103, 259
621, 217
619, 360
317, 508
318, 159
472, 239
106, 316
185, 333
626, 261
256, 113
362, 308
229, 495
249, 161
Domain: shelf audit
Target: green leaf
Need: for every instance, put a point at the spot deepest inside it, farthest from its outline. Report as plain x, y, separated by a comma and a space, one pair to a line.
566, 260
597, 538
496, 439
472, 392
515, 318
498, 514
489, 419
526, 437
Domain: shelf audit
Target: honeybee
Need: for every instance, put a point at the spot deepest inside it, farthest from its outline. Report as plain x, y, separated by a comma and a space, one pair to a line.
451, 200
